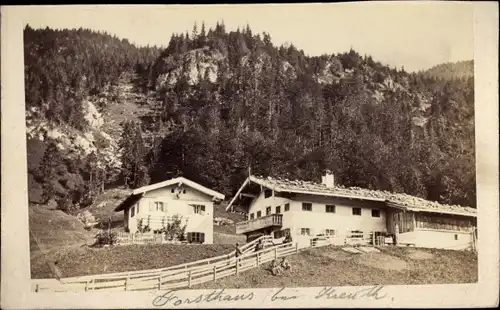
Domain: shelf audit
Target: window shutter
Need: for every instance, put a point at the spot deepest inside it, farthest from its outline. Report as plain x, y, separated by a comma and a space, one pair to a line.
203, 208
298, 231
202, 237
151, 206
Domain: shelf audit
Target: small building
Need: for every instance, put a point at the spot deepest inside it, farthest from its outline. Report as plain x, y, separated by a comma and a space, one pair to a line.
308, 209
158, 204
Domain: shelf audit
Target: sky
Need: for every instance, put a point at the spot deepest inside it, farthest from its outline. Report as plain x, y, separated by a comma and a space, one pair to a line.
412, 35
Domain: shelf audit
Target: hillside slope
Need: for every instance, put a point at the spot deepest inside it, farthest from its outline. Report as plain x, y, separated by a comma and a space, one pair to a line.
216, 102
330, 266
283, 113
450, 71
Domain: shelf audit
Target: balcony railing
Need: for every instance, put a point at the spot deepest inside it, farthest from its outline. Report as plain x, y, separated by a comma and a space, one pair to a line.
272, 220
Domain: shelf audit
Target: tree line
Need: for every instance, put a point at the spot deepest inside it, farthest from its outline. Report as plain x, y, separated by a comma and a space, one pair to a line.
269, 110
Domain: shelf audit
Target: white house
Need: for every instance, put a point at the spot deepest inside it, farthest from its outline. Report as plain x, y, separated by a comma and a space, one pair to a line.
156, 204
306, 209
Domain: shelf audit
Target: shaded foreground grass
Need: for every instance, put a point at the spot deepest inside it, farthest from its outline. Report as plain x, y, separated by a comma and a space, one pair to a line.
331, 266
78, 261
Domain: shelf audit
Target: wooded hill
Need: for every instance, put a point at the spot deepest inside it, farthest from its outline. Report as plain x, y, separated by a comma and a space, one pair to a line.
449, 71
226, 101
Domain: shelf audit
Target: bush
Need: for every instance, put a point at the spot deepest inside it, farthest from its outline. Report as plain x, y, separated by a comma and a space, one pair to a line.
106, 236
65, 204
174, 230
141, 228
86, 218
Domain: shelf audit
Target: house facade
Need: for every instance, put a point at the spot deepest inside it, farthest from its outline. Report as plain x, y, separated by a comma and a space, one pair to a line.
307, 209
158, 204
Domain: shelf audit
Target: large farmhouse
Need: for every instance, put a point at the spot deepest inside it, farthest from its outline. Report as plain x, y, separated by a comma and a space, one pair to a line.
156, 205
307, 209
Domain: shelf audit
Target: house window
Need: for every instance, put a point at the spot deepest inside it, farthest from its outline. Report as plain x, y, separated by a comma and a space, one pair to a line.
356, 234
375, 213
356, 211
287, 207
198, 209
259, 214
305, 231
278, 209
306, 206
157, 206
268, 193
330, 232
172, 190
132, 211
456, 237
330, 208
196, 237
268, 210
252, 216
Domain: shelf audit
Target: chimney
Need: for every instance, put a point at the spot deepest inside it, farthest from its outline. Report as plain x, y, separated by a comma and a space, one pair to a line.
328, 179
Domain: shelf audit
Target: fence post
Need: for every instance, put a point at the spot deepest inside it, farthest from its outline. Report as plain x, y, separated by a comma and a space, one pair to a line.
237, 266
87, 286
473, 235
215, 271
126, 283
373, 238
37, 288
275, 253
159, 282
189, 278
258, 257
296, 247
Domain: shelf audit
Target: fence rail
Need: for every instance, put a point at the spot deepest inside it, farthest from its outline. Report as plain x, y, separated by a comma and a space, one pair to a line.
193, 273
184, 275
125, 238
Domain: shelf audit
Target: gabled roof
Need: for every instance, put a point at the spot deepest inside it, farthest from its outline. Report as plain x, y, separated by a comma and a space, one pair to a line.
396, 200
138, 192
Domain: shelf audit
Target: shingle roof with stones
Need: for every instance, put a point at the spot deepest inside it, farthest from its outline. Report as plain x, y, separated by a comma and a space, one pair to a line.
404, 201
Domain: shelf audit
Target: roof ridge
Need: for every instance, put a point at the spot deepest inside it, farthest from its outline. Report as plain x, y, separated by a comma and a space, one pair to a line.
394, 197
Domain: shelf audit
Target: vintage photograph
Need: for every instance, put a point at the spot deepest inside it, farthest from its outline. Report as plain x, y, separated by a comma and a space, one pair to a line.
202, 147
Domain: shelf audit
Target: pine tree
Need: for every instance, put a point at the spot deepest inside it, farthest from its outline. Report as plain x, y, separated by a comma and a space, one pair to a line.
50, 169
194, 34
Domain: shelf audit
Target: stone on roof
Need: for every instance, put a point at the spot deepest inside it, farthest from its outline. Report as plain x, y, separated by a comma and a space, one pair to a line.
400, 199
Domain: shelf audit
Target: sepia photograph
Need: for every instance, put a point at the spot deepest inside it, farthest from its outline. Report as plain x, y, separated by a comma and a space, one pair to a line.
175, 148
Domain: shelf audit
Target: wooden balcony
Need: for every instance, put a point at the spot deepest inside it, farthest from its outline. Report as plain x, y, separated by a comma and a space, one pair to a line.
268, 221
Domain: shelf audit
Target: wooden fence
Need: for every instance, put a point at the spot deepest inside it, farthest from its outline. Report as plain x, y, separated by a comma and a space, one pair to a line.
201, 271
125, 238
188, 274
169, 277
